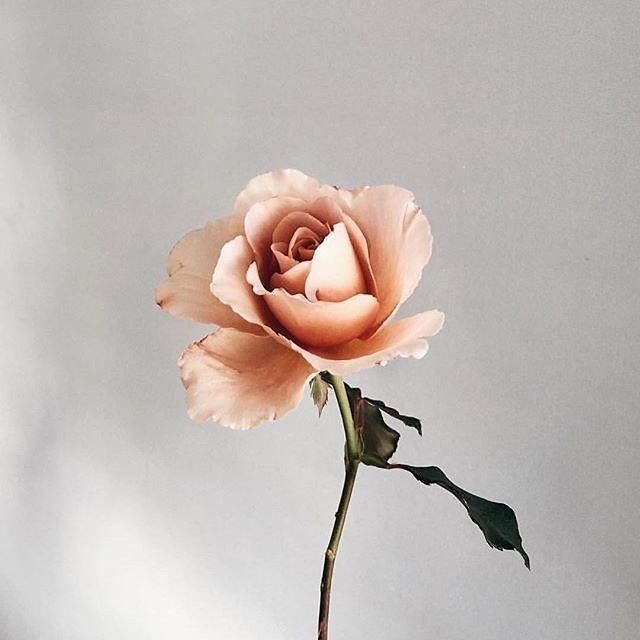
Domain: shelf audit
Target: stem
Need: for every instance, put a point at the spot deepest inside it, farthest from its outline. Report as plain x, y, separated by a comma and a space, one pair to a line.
351, 469
350, 435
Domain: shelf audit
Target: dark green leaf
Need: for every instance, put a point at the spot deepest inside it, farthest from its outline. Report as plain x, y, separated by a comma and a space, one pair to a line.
496, 520
410, 421
379, 441
319, 392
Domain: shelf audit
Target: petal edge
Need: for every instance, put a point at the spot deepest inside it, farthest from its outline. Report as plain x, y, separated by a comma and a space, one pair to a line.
401, 339
240, 380
191, 262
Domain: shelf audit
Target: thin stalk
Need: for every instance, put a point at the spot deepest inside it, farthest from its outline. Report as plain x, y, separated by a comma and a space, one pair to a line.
350, 435
352, 455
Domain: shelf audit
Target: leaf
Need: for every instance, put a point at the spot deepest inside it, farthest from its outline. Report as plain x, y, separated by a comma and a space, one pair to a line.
410, 421
319, 392
497, 521
379, 441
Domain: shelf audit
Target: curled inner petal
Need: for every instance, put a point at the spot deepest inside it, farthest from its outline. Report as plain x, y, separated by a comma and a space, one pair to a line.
303, 243
306, 253
260, 223
280, 252
292, 280
295, 220
335, 270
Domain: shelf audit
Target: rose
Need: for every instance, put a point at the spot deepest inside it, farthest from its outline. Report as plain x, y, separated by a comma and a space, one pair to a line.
301, 277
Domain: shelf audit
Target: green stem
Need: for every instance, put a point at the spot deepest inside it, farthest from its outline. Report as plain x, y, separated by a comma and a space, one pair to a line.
352, 461
351, 437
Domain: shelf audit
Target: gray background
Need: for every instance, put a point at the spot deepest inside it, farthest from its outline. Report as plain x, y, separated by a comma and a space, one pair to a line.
124, 125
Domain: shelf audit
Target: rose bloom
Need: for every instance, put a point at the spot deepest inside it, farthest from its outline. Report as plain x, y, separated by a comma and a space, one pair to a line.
301, 277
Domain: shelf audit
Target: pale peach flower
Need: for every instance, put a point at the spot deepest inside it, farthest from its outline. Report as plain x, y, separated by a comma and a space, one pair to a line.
301, 277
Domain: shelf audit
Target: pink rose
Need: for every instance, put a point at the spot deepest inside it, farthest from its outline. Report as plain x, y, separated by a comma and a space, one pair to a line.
301, 277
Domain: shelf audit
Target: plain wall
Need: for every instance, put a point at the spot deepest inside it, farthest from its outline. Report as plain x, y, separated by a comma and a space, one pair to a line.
124, 125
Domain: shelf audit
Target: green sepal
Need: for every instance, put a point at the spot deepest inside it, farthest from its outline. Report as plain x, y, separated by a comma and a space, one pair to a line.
319, 392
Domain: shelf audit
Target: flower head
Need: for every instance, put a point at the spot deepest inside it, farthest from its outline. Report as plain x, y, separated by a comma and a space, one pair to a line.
301, 277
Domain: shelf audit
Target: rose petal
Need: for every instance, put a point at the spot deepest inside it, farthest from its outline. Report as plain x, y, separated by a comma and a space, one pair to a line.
191, 262
303, 240
260, 222
254, 281
335, 270
286, 182
229, 283
239, 380
399, 240
346, 196
292, 280
285, 229
305, 254
322, 323
328, 209
359, 243
404, 338
280, 251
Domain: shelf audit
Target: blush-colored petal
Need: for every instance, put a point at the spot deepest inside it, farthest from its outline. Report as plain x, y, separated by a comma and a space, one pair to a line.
185, 293
335, 270
260, 222
399, 240
254, 281
303, 240
326, 209
361, 248
322, 323
280, 251
292, 280
285, 229
330, 211
346, 196
239, 380
285, 182
404, 338
229, 283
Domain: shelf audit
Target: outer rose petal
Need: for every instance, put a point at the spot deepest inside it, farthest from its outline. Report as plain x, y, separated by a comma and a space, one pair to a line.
404, 338
347, 196
399, 240
322, 323
229, 283
286, 182
239, 380
191, 262
335, 270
